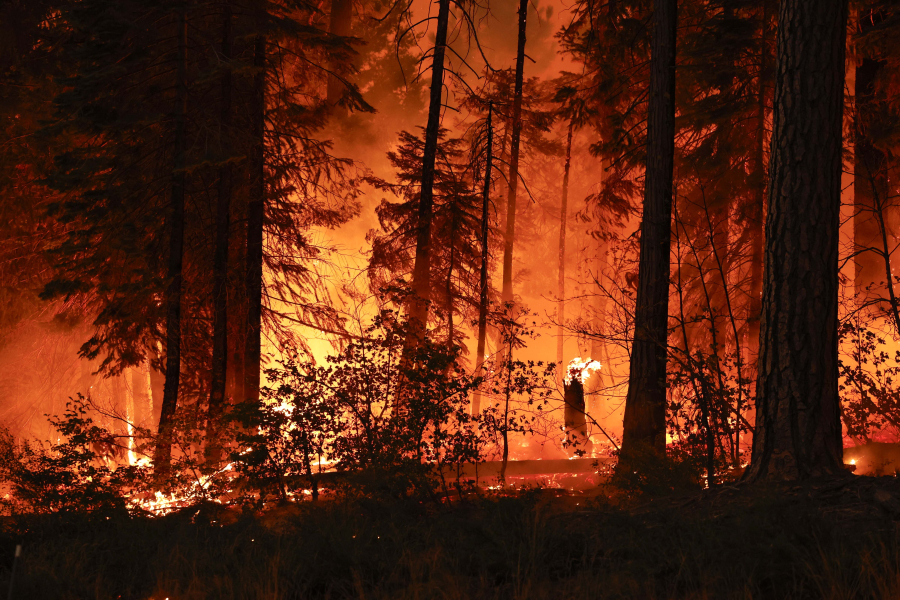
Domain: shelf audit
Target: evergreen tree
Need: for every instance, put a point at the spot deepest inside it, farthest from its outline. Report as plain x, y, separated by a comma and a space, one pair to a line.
455, 230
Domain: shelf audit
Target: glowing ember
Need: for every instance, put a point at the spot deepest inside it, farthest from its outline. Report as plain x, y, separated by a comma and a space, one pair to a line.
581, 368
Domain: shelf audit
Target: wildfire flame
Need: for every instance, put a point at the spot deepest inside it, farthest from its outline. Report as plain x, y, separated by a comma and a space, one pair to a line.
581, 368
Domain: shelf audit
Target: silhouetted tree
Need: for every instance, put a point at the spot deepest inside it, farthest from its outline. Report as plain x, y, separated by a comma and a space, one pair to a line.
455, 256
645, 405
798, 428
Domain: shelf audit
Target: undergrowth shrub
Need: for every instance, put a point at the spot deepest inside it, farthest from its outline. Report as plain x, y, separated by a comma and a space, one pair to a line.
78, 473
382, 417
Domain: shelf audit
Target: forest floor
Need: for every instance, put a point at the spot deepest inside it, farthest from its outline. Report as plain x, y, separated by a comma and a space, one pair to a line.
837, 538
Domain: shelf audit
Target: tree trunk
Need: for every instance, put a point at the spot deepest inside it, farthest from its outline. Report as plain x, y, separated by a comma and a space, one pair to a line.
645, 404
507, 294
422, 268
561, 303
485, 255
163, 452
869, 177
220, 260
340, 24
574, 421
256, 211
798, 422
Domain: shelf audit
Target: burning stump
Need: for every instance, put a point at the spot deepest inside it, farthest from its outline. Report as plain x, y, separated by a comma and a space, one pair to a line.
576, 425
578, 440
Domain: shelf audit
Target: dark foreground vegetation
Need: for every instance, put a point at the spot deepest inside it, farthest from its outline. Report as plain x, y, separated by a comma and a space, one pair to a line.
825, 539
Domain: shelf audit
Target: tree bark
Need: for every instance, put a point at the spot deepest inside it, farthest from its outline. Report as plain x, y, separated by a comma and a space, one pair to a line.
220, 260
798, 427
256, 211
485, 255
561, 291
507, 293
645, 404
163, 451
422, 267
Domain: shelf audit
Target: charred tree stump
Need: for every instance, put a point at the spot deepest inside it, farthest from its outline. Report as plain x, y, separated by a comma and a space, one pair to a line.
577, 438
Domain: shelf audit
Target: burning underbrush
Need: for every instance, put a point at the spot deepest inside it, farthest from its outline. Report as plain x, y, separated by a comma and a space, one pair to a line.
369, 476
378, 420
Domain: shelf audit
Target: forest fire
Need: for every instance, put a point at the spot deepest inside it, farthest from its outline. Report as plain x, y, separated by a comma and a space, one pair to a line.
289, 291
582, 369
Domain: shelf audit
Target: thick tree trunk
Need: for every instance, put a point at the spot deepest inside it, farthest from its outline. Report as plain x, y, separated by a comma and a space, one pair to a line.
798, 423
422, 267
341, 21
869, 177
645, 404
485, 255
163, 451
256, 211
510, 238
220, 260
561, 283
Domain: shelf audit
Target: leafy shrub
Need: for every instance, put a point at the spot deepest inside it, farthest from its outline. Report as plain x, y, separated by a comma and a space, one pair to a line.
76, 474
378, 409
870, 382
